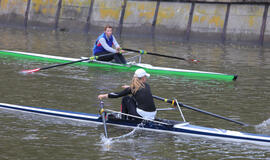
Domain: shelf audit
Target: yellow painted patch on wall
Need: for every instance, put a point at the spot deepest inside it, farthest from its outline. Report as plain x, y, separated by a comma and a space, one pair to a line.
4, 4
44, 6
76, 3
195, 19
107, 11
147, 11
15, 6
251, 21
165, 14
202, 19
128, 11
216, 20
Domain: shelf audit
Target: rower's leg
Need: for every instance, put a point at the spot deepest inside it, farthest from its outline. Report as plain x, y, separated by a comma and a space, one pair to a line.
124, 105
106, 58
129, 106
132, 108
119, 58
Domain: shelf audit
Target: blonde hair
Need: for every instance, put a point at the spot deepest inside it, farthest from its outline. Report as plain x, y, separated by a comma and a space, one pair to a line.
136, 84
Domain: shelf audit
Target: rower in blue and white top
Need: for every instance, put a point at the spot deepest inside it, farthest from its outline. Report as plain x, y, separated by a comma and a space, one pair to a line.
104, 44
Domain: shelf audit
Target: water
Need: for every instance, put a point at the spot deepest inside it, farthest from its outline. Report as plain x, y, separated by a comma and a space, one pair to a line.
75, 88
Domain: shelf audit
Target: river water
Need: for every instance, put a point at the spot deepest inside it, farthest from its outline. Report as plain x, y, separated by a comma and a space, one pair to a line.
75, 88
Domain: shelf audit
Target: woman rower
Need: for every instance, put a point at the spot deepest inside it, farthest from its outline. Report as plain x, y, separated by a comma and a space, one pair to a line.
141, 103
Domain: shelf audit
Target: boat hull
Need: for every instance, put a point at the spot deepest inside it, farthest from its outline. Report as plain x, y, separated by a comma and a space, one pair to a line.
174, 127
193, 74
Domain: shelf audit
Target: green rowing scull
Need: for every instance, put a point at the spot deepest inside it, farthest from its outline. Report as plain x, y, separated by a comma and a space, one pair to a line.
193, 74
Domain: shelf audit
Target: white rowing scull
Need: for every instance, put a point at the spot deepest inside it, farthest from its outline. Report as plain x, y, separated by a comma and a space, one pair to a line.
169, 126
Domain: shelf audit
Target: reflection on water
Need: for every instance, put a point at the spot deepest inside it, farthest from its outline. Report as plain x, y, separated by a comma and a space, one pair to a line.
75, 88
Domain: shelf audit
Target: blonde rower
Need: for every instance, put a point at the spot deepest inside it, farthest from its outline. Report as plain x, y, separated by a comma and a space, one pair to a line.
141, 102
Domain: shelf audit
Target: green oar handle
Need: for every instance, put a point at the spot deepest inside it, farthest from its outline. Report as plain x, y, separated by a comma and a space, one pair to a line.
198, 110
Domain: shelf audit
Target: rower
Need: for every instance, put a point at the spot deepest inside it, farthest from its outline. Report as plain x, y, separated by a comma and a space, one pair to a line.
103, 46
141, 102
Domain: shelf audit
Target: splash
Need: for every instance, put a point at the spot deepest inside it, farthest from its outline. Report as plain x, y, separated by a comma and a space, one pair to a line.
264, 127
107, 142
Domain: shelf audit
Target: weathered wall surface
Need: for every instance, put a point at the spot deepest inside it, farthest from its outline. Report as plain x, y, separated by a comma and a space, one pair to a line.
12, 12
208, 18
208, 21
106, 12
220, 20
74, 14
172, 18
267, 30
245, 22
42, 13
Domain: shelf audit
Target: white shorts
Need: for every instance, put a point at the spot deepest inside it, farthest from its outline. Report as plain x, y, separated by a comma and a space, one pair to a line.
146, 115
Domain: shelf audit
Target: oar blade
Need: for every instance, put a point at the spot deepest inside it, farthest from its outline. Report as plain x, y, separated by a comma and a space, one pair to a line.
102, 113
30, 70
194, 60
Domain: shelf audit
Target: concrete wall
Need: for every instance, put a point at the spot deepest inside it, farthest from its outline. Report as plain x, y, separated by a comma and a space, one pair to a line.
245, 22
106, 12
74, 14
172, 18
42, 13
12, 12
219, 20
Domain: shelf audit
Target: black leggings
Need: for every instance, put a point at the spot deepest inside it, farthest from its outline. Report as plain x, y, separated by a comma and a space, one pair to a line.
118, 58
129, 106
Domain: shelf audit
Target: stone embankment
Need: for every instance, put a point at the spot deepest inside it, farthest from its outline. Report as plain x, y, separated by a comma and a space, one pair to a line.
217, 20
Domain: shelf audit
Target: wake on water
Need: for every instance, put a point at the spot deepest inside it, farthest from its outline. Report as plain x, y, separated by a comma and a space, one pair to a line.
264, 127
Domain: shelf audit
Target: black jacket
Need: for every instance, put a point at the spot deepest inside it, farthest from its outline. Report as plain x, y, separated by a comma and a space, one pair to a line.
143, 97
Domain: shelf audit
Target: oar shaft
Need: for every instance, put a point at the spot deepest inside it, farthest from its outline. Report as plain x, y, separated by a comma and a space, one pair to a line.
103, 118
63, 64
199, 110
155, 54
161, 55
81, 60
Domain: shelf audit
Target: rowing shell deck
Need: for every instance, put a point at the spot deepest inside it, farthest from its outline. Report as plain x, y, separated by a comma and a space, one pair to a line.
193, 74
174, 127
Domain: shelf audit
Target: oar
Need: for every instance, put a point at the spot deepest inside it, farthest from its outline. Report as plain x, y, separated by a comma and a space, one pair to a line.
102, 113
63, 64
160, 55
198, 110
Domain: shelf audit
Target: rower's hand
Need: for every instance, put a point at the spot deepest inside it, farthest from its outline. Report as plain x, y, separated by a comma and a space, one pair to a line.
125, 86
101, 96
120, 51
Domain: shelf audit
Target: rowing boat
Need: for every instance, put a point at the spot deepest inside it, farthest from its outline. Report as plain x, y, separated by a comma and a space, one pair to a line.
168, 126
193, 74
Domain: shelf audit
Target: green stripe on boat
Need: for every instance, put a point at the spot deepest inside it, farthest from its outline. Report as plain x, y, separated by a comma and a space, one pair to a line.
192, 74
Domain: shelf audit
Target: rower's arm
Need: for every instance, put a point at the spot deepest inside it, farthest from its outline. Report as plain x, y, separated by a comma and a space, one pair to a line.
104, 44
115, 43
125, 92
